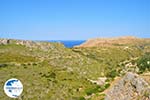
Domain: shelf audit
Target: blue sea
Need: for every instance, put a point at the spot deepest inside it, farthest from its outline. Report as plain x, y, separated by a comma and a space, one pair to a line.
69, 43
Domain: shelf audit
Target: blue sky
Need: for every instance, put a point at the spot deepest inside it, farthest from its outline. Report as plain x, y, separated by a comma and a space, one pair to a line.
73, 19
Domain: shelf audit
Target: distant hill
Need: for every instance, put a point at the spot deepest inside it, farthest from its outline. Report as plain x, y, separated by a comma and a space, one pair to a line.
118, 41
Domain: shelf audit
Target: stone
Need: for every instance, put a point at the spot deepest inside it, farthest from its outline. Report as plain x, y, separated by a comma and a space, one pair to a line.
131, 86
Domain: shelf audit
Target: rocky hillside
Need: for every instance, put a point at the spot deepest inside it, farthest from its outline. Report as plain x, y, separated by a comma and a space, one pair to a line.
31, 44
50, 71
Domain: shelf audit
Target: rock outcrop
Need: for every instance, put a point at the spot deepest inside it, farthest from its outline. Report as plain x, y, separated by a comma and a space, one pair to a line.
31, 44
130, 87
4, 41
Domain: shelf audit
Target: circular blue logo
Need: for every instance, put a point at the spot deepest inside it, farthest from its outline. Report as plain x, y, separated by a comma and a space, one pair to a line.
13, 88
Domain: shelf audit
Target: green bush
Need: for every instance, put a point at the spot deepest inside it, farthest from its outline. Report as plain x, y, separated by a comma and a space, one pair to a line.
78, 98
90, 91
102, 88
3, 65
112, 74
97, 89
107, 85
144, 62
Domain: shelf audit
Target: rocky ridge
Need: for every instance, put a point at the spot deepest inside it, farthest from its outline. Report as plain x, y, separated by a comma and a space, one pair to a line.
31, 44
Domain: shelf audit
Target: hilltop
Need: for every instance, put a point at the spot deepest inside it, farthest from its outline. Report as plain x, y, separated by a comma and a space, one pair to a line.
116, 41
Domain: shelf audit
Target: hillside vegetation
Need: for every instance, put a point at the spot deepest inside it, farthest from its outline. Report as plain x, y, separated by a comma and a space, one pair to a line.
49, 71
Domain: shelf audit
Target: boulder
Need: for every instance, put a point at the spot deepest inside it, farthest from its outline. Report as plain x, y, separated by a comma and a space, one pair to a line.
130, 87
4, 41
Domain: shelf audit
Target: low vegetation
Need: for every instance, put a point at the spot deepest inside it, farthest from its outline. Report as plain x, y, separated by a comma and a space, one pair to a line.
144, 63
59, 73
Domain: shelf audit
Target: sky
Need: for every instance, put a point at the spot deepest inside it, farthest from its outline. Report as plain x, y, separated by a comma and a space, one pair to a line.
73, 19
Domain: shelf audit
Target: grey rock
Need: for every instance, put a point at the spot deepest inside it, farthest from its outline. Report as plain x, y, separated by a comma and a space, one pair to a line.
4, 41
130, 87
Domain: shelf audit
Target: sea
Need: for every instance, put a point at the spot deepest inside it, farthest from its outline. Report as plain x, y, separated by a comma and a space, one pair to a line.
69, 43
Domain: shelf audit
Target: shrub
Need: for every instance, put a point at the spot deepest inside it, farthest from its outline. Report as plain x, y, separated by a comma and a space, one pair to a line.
90, 91
107, 85
112, 74
3, 65
79, 98
144, 62
34, 64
